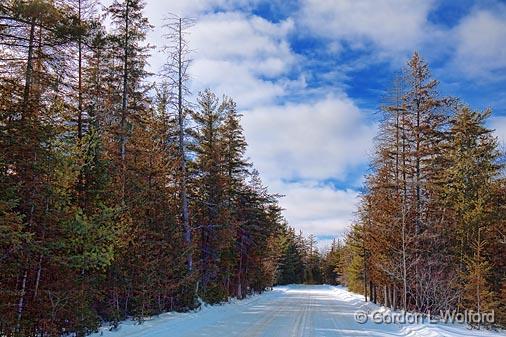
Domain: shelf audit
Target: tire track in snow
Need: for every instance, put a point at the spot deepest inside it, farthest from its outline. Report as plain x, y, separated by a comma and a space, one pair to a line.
301, 321
260, 326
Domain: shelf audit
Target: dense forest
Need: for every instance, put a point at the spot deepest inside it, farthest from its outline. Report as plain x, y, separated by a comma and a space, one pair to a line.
430, 229
120, 196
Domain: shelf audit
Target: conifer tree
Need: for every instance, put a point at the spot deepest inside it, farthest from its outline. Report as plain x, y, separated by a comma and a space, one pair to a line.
90, 170
176, 77
434, 186
209, 198
478, 296
467, 185
332, 264
127, 74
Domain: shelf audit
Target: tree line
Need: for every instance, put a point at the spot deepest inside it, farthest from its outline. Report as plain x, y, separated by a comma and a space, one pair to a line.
119, 197
429, 232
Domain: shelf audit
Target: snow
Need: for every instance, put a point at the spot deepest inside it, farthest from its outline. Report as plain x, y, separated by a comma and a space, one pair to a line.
288, 311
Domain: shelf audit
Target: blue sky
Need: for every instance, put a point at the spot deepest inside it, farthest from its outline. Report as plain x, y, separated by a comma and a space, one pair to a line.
308, 75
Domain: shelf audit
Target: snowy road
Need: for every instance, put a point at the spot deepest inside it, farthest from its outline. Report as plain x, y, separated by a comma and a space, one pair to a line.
293, 311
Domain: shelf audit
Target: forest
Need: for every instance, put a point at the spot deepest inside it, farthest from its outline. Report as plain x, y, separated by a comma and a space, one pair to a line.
119, 196
124, 195
429, 231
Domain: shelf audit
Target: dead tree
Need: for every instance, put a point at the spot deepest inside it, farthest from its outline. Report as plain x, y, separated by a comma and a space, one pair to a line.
175, 73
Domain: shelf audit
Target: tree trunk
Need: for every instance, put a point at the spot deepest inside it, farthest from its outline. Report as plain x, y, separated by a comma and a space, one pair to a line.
404, 271
80, 76
385, 296
239, 274
371, 292
80, 184
124, 102
21, 301
365, 275
403, 215
37, 280
182, 157
29, 69
394, 298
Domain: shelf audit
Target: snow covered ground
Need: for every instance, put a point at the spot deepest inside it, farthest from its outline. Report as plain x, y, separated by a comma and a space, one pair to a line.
291, 311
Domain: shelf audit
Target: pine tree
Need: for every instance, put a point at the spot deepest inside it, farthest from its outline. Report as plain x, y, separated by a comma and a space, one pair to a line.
259, 223
478, 296
175, 72
209, 198
236, 198
471, 161
332, 264
90, 168
435, 184
291, 268
127, 74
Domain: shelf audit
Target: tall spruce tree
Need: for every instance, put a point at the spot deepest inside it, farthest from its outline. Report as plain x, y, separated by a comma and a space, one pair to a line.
430, 215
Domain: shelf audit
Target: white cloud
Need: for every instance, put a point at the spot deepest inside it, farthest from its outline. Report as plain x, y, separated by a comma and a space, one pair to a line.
235, 36
235, 80
392, 26
250, 59
481, 47
498, 123
392, 29
318, 140
316, 208
298, 145
243, 56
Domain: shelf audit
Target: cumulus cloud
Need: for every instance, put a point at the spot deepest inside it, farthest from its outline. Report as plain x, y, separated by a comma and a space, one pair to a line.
297, 146
312, 140
391, 29
235, 80
243, 56
481, 48
317, 208
392, 26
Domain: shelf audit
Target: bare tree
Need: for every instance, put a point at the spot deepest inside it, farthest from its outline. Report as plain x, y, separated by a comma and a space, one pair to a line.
175, 72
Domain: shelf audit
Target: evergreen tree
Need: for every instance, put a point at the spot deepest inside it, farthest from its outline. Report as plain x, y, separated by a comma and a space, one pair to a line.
435, 185
291, 268
209, 197
332, 264
471, 167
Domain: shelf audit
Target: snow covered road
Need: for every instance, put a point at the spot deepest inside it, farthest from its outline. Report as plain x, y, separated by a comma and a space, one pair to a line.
292, 311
